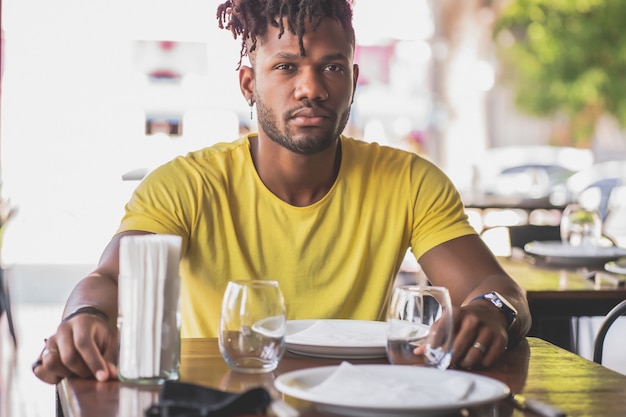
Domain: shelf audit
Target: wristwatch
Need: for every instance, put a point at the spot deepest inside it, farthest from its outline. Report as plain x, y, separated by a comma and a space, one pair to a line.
502, 304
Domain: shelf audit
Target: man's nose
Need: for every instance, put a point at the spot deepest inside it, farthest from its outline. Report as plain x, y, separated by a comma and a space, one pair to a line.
310, 85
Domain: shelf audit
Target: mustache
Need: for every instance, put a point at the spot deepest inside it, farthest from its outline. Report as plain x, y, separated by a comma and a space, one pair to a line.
309, 105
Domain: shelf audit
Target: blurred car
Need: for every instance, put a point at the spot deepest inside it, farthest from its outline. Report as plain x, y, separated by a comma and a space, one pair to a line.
531, 182
531, 176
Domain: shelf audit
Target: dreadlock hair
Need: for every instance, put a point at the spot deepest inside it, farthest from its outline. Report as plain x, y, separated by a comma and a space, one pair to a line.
250, 19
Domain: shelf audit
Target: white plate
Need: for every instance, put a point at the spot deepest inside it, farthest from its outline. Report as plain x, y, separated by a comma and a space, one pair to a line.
617, 267
299, 384
342, 339
557, 252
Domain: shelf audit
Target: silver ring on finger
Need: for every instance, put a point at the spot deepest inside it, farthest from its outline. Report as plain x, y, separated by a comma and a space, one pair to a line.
482, 348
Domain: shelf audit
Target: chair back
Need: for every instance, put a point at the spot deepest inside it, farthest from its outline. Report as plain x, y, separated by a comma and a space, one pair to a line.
615, 222
520, 235
603, 177
598, 345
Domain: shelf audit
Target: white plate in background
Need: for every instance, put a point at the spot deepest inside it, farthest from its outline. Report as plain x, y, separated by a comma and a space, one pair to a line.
557, 252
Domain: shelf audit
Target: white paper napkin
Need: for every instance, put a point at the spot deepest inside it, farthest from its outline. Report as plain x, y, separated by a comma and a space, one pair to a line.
356, 385
148, 303
327, 333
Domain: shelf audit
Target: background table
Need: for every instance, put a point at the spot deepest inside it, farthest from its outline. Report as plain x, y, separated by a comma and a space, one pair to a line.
556, 295
535, 368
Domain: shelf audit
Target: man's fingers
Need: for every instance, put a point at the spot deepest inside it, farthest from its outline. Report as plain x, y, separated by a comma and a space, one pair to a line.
70, 355
46, 376
72, 360
110, 355
78, 349
476, 343
497, 346
477, 352
466, 334
91, 343
49, 367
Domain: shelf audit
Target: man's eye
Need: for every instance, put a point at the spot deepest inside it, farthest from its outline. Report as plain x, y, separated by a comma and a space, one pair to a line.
284, 67
334, 68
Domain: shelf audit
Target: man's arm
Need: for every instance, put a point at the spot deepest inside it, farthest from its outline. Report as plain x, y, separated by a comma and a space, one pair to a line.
468, 269
85, 343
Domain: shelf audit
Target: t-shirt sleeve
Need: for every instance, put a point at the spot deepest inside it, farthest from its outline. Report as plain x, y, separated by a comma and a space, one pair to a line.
439, 214
160, 204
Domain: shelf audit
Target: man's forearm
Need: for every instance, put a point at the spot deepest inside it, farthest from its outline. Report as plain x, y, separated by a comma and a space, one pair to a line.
95, 290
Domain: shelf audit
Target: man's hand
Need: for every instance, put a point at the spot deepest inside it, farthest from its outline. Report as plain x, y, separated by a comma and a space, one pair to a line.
480, 336
86, 342
83, 346
468, 269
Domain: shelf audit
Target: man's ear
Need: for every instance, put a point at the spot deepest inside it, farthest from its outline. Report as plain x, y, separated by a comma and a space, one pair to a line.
355, 72
246, 82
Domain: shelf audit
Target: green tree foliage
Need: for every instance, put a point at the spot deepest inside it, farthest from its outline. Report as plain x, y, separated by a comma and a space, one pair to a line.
566, 57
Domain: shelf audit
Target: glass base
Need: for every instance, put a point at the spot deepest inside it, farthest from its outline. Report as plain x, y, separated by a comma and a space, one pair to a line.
252, 365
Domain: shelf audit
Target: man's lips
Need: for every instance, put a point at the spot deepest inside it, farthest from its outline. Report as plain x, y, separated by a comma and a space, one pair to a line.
310, 117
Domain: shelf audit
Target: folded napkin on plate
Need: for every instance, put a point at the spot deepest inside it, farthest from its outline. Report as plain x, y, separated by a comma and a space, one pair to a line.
149, 290
180, 399
324, 332
353, 384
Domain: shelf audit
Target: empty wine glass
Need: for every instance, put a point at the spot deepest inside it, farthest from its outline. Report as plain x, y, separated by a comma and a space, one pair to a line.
581, 226
420, 316
252, 326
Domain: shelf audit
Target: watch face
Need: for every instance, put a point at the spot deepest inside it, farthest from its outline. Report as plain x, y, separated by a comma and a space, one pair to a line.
501, 302
504, 306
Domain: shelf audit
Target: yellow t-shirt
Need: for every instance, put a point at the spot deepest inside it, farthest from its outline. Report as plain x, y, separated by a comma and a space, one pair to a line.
334, 259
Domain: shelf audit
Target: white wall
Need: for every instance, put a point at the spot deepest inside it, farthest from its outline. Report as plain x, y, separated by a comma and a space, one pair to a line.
72, 114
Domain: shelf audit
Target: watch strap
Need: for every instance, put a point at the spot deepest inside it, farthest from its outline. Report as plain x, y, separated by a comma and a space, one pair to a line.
501, 303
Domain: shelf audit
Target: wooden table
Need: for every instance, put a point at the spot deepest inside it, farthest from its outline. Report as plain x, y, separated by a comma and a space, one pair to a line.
535, 368
555, 295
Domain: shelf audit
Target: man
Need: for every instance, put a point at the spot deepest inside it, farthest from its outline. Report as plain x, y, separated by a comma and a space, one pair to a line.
327, 216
